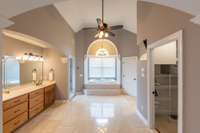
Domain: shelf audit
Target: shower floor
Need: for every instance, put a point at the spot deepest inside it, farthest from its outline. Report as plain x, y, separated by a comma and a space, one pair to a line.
165, 124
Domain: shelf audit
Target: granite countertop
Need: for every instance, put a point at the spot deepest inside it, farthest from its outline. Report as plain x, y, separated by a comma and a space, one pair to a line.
23, 89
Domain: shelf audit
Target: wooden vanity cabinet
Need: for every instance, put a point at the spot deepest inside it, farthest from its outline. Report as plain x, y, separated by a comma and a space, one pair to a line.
36, 102
15, 113
20, 109
49, 93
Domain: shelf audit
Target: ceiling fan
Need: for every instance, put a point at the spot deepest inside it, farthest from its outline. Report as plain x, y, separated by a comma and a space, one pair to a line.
104, 30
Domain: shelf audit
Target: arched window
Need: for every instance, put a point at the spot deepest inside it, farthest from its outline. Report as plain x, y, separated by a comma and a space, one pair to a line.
102, 62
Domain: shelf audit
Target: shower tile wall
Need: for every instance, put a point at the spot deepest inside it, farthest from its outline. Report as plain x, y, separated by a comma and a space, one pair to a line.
167, 88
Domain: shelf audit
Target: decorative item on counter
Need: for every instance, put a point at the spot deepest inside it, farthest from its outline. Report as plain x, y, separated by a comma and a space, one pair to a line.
51, 75
34, 75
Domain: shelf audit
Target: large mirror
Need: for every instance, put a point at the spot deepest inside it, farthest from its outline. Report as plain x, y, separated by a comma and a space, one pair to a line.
16, 72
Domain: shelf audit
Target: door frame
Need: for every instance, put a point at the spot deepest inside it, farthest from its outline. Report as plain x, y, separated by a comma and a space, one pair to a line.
136, 58
71, 78
178, 36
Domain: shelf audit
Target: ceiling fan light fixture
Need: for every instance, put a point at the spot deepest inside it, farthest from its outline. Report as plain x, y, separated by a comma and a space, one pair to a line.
101, 34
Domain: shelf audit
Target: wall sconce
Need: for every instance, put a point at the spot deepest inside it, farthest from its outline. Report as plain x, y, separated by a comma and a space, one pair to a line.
30, 57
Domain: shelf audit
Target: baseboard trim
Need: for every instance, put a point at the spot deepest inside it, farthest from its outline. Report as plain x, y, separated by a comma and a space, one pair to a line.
142, 117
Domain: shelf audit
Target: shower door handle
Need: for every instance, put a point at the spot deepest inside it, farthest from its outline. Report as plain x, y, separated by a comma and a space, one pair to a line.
155, 93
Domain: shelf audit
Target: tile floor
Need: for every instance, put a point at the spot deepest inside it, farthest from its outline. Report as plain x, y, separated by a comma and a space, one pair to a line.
89, 114
165, 124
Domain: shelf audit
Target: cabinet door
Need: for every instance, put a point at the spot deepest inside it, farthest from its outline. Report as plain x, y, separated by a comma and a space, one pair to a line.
49, 95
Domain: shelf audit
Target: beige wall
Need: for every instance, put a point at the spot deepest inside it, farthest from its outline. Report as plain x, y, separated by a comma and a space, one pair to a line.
125, 42
48, 25
13, 47
53, 61
142, 88
156, 22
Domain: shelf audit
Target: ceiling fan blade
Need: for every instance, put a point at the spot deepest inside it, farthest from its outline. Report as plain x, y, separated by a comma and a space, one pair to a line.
111, 33
90, 28
99, 22
116, 27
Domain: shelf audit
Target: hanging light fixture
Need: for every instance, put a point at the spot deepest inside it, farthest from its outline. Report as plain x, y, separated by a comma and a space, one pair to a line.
30, 57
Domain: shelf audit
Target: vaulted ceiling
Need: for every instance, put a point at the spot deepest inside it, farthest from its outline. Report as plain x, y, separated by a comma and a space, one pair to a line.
189, 6
83, 13
11, 8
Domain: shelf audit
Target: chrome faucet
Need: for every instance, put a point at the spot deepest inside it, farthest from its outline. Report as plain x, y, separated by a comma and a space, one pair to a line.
38, 82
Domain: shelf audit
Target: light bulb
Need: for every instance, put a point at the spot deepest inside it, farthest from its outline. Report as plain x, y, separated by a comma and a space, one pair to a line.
18, 58
101, 33
41, 58
100, 36
31, 58
25, 57
36, 58
106, 35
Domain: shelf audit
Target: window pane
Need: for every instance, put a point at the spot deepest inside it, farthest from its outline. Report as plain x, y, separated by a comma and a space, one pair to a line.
108, 67
102, 68
94, 68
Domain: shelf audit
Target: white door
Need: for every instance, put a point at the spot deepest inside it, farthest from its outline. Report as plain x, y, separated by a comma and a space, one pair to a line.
129, 75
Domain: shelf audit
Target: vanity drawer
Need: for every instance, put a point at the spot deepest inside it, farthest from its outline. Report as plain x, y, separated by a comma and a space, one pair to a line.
13, 102
15, 123
15, 111
36, 110
36, 93
36, 100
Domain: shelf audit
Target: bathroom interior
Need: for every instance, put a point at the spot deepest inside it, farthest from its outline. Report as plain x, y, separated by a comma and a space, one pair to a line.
30, 78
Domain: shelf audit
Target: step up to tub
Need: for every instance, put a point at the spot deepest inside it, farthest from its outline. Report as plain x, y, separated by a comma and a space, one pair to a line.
103, 92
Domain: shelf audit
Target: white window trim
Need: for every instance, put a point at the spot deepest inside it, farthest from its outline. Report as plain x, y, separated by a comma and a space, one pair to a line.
86, 81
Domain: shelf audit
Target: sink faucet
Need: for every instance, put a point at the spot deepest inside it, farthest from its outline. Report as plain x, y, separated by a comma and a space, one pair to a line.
38, 82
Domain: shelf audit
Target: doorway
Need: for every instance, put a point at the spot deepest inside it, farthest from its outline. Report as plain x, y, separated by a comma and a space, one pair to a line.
129, 75
165, 91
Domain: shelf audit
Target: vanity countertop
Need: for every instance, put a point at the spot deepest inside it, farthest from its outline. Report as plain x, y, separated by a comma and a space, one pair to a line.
24, 89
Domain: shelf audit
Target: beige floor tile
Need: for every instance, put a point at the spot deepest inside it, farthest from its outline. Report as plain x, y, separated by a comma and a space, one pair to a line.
89, 114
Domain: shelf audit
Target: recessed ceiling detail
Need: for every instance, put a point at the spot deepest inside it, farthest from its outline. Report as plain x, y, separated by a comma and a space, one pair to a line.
83, 13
